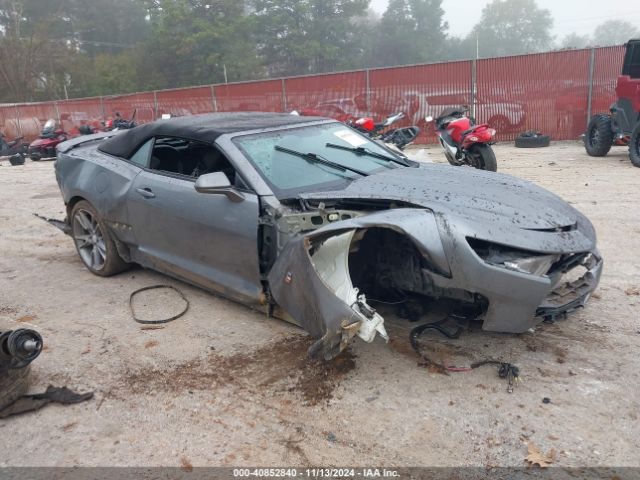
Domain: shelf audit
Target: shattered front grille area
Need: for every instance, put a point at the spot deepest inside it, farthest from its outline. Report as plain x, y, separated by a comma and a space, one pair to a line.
573, 287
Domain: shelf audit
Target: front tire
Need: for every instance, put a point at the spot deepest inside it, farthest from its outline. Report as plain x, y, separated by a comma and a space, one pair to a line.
634, 146
598, 138
482, 157
93, 241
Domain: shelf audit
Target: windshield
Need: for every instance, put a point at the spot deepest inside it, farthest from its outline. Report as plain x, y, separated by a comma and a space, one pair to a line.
289, 174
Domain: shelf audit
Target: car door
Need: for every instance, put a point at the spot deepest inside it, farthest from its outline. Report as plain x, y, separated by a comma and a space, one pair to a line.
205, 239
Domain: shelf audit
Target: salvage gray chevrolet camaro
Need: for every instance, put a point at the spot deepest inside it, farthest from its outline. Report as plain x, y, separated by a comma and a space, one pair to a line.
306, 218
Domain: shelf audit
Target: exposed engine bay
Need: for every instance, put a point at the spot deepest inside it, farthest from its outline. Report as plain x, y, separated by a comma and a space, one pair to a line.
362, 260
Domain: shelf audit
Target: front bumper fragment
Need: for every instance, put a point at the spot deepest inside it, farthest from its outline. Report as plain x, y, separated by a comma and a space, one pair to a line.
569, 296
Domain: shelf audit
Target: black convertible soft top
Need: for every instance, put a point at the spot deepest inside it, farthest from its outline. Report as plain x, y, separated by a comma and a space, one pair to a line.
205, 128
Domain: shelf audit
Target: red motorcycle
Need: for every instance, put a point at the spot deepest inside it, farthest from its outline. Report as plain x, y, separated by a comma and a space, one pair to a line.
45, 145
463, 142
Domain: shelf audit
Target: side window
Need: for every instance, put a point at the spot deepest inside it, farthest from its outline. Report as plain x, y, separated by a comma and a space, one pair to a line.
191, 159
168, 155
208, 159
141, 157
635, 62
632, 61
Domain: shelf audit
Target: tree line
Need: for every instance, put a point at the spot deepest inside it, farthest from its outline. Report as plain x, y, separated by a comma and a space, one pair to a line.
56, 49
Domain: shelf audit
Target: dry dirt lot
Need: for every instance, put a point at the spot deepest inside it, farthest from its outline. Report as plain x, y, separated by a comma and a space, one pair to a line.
225, 385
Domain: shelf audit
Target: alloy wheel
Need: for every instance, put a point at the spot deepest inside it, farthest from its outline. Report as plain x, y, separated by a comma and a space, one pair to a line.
89, 240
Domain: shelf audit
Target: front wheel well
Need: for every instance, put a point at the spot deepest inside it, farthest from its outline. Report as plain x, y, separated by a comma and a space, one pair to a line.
72, 203
388, 268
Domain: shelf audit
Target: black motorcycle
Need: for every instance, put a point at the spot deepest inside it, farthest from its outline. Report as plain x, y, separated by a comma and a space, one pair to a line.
120, 123
400, 138
16, 146
16, 150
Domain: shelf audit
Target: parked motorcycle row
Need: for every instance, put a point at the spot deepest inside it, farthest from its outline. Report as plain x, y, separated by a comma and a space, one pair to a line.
51, 135
464, 143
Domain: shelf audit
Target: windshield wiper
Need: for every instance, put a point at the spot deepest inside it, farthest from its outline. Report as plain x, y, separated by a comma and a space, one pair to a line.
366, 151
314, 157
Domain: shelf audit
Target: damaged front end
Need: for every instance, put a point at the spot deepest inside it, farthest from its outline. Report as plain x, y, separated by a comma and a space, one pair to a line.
312, 282
314, 286
326, 278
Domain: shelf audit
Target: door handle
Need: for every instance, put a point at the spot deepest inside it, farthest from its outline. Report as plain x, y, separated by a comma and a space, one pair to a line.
146, 192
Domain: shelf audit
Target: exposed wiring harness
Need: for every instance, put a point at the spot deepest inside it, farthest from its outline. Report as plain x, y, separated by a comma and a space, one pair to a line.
506, 370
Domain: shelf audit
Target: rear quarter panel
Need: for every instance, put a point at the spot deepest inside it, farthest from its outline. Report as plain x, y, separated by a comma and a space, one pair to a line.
101, 179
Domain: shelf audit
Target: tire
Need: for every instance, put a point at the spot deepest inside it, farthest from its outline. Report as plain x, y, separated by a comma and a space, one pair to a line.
598, 139
538, 141
13, 384
634, 147
483, 158
16, 159
93, 241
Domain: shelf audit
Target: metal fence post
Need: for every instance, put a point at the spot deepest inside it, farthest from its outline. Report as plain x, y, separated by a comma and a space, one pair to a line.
592, 65
214, 103
284, 95
474, 80
18, 122
368, 95
155, 105
55, 105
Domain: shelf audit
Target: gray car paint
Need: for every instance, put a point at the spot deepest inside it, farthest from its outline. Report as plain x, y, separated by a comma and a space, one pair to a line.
449, 205
179, 227
468, 203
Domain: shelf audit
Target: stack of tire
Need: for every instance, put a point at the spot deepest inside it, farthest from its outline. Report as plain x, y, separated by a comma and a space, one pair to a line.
18, 348
532, 139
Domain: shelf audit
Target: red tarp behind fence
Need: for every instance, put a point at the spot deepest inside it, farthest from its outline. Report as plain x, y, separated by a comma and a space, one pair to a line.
335, 95
544, 92
261, 96
548, 92
419, 91
184, 101
75, 113
607, 66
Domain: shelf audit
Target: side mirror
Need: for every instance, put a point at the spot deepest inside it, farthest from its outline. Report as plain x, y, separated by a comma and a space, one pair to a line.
217, 183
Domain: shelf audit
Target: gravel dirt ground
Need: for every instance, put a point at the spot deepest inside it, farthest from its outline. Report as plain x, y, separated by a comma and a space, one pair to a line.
226, 386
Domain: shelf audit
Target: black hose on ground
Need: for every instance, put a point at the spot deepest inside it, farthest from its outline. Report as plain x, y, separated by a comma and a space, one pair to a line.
163, 320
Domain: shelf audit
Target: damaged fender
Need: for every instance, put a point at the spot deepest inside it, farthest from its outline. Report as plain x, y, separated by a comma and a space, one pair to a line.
310, 279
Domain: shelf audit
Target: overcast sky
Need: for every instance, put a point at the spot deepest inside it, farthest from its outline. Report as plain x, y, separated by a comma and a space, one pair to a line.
580, 16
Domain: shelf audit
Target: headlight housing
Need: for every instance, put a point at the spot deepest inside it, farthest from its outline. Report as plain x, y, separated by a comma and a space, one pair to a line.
513, 259
537, 265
